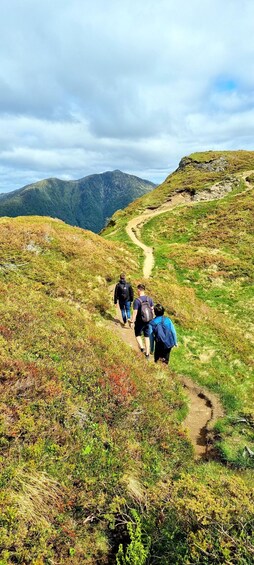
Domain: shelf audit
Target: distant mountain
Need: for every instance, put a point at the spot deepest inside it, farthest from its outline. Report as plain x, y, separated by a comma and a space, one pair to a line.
86, 203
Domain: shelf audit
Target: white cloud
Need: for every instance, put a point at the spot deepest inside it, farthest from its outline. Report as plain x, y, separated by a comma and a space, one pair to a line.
134, 85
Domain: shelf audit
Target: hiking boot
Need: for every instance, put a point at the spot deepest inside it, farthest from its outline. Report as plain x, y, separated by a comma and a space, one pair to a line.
147, 356
142, 349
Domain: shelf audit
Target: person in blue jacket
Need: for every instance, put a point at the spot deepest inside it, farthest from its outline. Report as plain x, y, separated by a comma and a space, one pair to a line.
162, 335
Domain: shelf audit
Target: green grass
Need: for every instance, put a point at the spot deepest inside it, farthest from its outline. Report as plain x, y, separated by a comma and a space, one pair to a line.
92, 452
204, 277
203, 257
84, 430
190, 179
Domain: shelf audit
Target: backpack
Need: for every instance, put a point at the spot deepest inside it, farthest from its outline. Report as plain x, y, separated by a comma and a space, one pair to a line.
146, 311
123, 291
163, 334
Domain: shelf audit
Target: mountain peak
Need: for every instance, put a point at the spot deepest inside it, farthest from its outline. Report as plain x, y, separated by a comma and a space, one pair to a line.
88, 202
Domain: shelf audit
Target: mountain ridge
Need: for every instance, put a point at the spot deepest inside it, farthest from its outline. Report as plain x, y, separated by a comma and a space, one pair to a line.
195, 173
86, 202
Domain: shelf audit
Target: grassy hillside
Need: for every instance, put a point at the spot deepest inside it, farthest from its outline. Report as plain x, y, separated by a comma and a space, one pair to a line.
86, 434
86, 203
204, 275
195, 175
96, 466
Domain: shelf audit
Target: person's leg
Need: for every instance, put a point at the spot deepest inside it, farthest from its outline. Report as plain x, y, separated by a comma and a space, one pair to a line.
158, 353
146, 331
161, 352
123, 312
138, 331
128, 309
140, 342
147, 346
166, 355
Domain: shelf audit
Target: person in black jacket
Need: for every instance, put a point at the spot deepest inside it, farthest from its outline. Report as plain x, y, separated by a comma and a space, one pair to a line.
124, 296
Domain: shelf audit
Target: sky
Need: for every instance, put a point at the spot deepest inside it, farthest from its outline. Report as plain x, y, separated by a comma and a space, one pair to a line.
88, 86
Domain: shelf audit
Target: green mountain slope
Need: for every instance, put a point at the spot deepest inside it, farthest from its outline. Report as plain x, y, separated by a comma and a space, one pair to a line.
195, 176
85, 432
86, 203
204, 276
95, 461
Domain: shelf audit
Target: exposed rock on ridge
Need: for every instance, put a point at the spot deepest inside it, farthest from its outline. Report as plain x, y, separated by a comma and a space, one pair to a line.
215, 165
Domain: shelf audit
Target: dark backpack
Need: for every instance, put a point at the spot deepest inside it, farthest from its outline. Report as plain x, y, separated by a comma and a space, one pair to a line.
123, 291
145, 311
163, 334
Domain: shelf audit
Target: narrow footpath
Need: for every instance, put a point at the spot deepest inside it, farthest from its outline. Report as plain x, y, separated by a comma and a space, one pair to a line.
204, 407
134, 226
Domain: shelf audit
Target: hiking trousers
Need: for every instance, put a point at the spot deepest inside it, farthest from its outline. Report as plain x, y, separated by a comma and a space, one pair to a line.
162, 352
125, 308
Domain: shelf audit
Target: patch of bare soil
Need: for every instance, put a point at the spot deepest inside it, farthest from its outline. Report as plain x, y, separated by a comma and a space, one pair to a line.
204, 409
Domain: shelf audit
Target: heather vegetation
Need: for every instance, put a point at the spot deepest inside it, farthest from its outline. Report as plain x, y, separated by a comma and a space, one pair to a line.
203, 274
86, 435
204, 253
96, 463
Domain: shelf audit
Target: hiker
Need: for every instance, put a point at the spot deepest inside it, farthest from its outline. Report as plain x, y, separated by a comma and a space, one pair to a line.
142, 315
124, 295
163, 335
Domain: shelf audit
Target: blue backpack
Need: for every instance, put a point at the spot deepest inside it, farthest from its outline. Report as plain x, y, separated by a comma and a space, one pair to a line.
163, 334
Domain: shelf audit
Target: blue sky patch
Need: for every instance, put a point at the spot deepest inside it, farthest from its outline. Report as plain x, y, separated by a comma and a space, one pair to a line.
226, 85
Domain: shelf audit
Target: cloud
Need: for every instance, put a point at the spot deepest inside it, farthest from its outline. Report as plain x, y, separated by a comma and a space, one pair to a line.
87, 87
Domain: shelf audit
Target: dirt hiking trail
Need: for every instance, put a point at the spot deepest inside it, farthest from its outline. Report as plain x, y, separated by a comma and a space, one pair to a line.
134, 226
204, 407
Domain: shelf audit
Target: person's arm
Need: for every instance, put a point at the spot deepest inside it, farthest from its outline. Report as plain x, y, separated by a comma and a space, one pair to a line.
172, 327
152, 305
135, 310
151, 335
134, 315
115, 294
131, 293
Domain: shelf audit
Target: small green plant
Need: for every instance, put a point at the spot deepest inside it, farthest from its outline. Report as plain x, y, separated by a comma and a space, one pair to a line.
137, 551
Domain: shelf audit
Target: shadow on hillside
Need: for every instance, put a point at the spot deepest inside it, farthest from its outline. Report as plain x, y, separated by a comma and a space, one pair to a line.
109, 316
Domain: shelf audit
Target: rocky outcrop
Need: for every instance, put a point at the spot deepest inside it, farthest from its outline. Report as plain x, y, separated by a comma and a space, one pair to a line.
217, 190
215, 165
